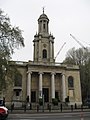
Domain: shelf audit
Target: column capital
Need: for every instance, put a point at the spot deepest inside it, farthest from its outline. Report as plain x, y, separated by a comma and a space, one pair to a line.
63, 74
29, 72
40, 72
53, 73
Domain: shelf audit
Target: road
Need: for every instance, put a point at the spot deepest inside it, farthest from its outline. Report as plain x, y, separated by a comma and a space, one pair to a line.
51, 116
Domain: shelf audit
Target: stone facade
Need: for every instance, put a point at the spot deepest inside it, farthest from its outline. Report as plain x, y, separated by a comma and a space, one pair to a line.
43, 77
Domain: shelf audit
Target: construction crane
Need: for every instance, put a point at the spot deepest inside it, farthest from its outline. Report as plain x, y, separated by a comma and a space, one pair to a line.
60, 50
77, 41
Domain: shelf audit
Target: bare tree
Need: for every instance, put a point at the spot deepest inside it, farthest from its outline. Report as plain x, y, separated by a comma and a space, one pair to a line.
81, 57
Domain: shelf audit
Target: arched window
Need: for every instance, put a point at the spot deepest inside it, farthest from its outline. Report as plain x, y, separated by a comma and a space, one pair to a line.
18, 80
44, 53
43, 26
70, 82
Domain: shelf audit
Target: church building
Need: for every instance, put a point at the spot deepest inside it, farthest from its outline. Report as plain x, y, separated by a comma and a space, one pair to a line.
43, 77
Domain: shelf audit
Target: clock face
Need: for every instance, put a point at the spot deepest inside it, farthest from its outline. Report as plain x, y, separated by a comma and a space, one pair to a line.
70, 81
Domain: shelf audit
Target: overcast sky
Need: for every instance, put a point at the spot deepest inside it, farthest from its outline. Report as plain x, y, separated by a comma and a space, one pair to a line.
66, 17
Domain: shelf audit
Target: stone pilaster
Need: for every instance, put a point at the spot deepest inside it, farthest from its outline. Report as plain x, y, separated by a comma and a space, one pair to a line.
40, 51
50, 50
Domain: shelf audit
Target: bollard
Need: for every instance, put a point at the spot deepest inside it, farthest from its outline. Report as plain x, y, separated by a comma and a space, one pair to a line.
61, 107
82, 107
25, 107
75, 106
49, 107
71, 107
3, 101
37, 108
12, 107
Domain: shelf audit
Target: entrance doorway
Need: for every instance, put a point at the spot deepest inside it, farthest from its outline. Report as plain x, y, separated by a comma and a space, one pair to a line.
46, 94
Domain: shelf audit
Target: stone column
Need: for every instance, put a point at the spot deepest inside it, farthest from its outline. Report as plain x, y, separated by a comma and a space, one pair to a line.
40, 54
29, 86
35, 50
40, 85
50, 50
63, 88
53, 85
53, 50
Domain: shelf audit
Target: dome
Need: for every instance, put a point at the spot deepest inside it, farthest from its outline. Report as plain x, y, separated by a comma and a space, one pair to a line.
43, 17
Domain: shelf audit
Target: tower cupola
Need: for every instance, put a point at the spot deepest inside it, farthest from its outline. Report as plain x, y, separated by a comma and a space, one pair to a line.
43, 23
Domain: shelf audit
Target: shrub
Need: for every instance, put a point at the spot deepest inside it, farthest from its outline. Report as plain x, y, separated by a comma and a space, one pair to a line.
40, 101
55, 101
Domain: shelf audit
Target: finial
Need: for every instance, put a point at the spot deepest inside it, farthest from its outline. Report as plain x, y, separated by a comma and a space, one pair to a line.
43, 10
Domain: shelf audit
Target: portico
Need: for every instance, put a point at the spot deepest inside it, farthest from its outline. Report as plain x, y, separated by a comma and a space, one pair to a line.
46, 81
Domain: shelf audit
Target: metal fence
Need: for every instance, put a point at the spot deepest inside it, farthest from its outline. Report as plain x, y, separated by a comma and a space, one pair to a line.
62, 107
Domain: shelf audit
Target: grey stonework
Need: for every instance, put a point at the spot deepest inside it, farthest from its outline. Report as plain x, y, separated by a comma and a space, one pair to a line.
43, 77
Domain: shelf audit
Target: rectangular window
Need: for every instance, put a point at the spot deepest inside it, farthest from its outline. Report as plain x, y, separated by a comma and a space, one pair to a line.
56, 95
17, 93
33, 96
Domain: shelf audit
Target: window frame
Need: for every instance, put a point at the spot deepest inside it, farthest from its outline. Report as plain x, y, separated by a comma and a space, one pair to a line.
70, 82
44, 53
18, 80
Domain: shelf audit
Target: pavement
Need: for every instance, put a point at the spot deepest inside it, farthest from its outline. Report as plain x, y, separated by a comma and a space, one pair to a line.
28, 115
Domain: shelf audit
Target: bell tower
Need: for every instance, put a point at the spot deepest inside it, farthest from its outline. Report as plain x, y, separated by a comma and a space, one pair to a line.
43, 24
43, 42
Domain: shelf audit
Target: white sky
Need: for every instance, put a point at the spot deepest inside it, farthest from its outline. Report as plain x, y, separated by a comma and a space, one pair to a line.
66, 17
